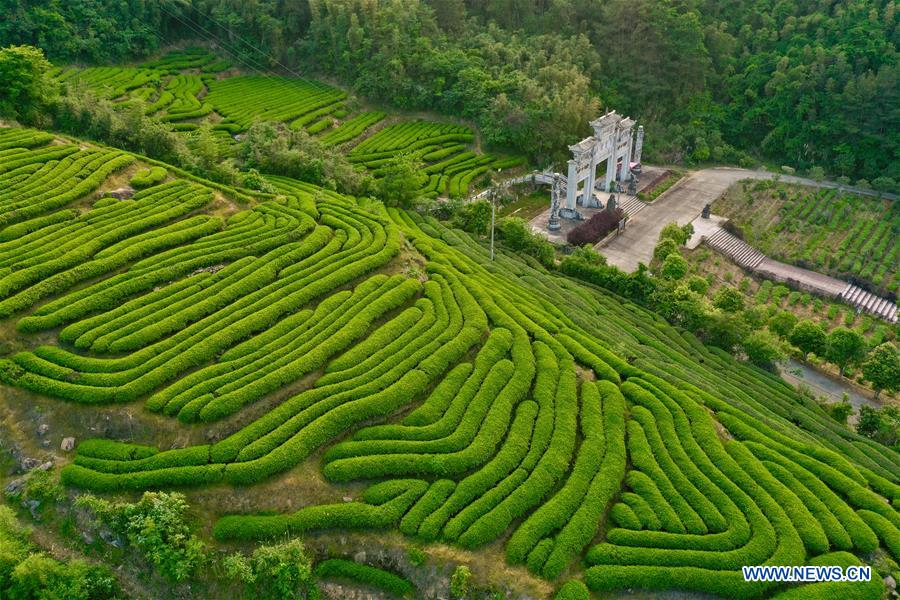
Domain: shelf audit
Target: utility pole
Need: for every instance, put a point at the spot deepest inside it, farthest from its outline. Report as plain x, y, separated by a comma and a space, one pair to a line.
493, 210
493, 196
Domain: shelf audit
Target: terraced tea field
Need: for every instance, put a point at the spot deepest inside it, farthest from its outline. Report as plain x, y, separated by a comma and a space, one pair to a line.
851, 237
481, 403
189, 87
449, 167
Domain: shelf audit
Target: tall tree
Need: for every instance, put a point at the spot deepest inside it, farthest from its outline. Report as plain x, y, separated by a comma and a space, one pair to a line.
846, 348
26, 88
882, 368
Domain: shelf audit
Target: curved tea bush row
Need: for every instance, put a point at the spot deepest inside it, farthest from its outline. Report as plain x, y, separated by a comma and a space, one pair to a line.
584, 523
573, 590
286, 359
554, 513
25, 227
452, 168
364, 574
23, 138
293, 431
49, 187
186, 58
466, 376
351, 128
181, 101
320, 126
382, 507
112, 82
107, 237
245, 234
318, 116
402, 135
125, 379
244, 99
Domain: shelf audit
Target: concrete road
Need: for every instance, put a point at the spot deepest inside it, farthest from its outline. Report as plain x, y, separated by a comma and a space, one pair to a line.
681, 204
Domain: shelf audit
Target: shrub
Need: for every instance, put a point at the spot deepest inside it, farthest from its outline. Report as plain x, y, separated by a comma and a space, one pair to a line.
880, 424
881, 368
845, 348
729, 299
516, 234
459, 582
809, 336
698, 285
674, 267
157, 526
274, 572
597, 227
678, 234
782, 323
762, 349
663, 249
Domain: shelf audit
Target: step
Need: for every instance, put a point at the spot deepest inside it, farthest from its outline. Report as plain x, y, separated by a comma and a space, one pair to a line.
869, 302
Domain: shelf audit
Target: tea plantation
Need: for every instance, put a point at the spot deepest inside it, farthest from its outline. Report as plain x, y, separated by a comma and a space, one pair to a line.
481, 402
188, 88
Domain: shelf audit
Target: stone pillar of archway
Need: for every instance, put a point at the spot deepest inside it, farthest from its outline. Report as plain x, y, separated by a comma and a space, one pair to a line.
572, 185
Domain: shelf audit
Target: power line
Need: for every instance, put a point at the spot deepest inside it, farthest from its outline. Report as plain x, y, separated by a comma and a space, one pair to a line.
280, 83
193, 26
264, 53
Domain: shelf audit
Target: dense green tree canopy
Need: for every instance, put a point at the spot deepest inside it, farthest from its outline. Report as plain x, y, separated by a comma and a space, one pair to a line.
803, 82
25, 88
846, 347
882, 367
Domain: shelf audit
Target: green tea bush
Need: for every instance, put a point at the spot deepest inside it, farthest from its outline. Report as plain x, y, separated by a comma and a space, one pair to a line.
364, 574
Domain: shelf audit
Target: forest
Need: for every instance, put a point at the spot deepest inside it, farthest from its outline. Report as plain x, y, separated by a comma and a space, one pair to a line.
802, 83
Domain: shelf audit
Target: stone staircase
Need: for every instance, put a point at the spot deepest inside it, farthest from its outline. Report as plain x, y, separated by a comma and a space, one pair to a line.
632, 205
870, 303
736, 249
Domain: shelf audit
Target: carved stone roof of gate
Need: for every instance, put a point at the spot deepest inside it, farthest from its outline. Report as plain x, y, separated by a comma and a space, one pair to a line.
607, 120
584, 146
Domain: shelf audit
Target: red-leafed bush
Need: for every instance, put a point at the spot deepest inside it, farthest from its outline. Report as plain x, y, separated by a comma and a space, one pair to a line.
596, 228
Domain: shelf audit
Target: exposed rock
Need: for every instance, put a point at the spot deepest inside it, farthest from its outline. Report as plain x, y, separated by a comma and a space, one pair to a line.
46, 466
347, 499
68, 444
122, 193
14, 487
890, 583
87, 537
27, 463
33, 506
43, 429
110, 538
360, 557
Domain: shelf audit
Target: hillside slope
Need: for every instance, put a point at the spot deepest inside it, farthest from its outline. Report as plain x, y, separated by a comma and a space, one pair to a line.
482, 400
